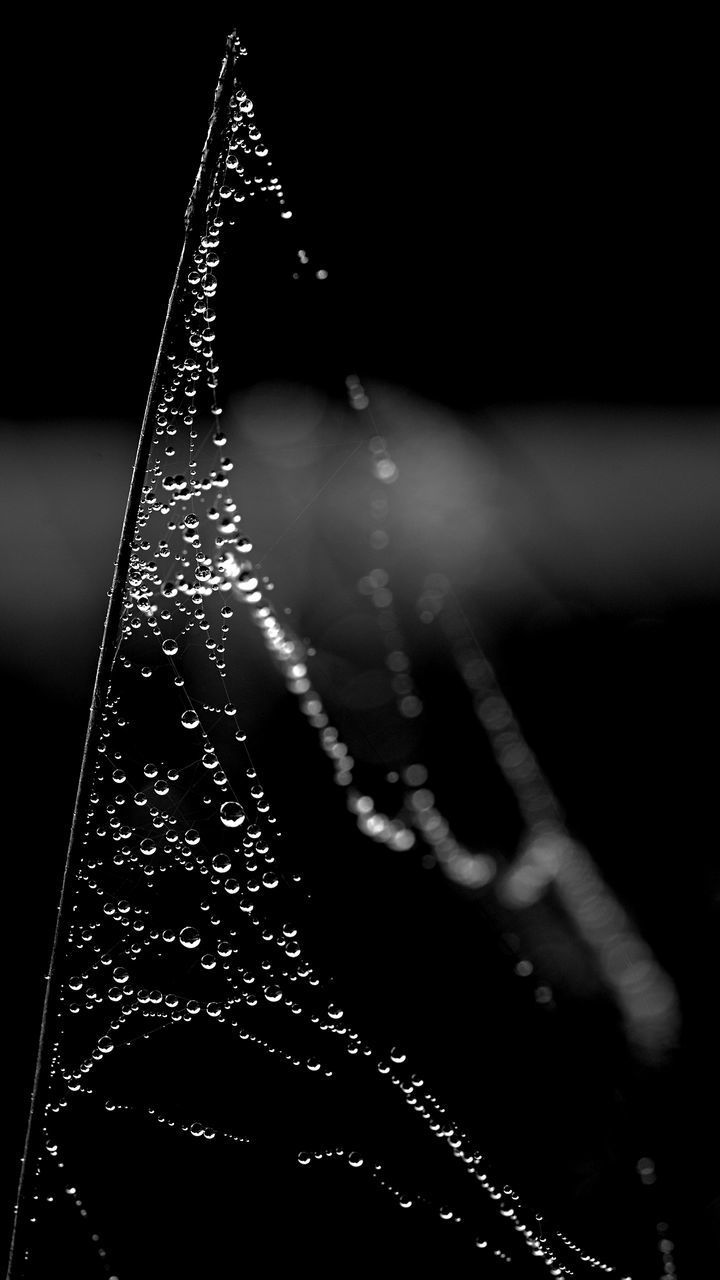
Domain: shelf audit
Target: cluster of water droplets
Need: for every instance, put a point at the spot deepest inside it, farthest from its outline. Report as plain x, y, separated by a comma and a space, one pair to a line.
180, 876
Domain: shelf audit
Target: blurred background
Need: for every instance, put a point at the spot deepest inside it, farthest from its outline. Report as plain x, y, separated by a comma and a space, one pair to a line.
518, 232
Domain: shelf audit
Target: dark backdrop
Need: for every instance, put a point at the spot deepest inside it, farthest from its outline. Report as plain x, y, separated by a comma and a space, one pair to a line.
519, 213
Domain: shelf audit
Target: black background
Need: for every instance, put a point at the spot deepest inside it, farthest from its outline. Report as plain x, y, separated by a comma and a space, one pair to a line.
522, 212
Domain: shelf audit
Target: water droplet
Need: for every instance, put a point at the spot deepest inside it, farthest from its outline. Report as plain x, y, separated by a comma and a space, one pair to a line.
232, 814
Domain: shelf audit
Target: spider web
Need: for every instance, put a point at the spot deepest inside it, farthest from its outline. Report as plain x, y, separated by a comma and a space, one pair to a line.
189, 997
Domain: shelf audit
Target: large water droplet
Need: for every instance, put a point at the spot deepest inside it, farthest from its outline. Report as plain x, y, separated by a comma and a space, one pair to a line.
232, 814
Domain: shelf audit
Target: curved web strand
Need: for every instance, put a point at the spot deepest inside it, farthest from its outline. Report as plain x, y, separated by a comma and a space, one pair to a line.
550, 857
